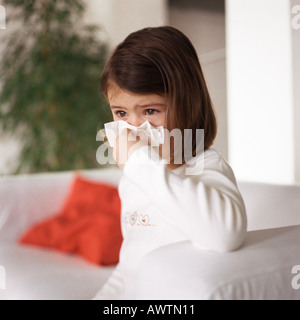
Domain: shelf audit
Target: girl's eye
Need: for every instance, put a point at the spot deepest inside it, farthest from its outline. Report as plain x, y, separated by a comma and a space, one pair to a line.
151, 112
121, 114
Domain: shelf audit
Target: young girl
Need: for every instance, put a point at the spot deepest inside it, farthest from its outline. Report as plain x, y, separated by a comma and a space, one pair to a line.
154, 75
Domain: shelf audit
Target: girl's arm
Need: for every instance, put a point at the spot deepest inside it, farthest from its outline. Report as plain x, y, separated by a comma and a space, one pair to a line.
207, 208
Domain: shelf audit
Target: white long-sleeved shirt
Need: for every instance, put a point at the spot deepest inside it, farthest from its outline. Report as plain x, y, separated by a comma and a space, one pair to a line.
160, 206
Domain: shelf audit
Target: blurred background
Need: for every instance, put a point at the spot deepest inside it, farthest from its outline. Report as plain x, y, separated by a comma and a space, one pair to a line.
52, 53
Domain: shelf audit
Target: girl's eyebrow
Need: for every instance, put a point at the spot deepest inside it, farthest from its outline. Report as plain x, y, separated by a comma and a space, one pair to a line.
141, 106
117, 107
152, 105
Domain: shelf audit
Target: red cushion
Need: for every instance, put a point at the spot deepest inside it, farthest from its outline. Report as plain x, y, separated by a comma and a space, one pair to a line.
88, 224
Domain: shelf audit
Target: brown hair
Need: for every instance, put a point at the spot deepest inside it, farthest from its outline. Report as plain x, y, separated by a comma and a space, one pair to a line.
162, 60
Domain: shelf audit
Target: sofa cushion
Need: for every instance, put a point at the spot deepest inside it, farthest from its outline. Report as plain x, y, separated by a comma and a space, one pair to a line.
27, 199
88, 223
45, 274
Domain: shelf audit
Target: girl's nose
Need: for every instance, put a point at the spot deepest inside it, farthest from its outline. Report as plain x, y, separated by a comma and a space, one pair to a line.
135, 120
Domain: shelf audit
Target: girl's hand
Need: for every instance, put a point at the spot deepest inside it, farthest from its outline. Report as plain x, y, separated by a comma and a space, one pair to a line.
127, 144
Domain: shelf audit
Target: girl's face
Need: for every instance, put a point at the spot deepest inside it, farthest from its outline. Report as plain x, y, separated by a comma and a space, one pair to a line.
135, 109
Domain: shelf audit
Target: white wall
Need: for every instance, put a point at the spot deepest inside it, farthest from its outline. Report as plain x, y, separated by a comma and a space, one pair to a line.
260, 90
119, 18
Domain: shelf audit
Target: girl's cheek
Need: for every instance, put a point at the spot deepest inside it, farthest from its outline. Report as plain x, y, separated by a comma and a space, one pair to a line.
116, 118
159, 120
163, 121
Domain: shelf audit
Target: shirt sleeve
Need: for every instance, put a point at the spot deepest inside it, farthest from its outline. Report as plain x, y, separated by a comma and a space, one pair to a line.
207, 208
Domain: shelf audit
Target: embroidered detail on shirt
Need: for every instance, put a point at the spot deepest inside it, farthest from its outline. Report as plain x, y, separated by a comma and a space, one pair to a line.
144, 219
133, 218
137, 219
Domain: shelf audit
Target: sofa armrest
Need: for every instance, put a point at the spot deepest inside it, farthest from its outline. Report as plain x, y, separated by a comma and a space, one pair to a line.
27, 199
260, 270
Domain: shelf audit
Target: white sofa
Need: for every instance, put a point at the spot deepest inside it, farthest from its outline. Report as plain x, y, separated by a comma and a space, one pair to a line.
261, 269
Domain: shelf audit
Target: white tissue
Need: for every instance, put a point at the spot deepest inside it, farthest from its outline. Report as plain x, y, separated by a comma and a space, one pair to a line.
114, 128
